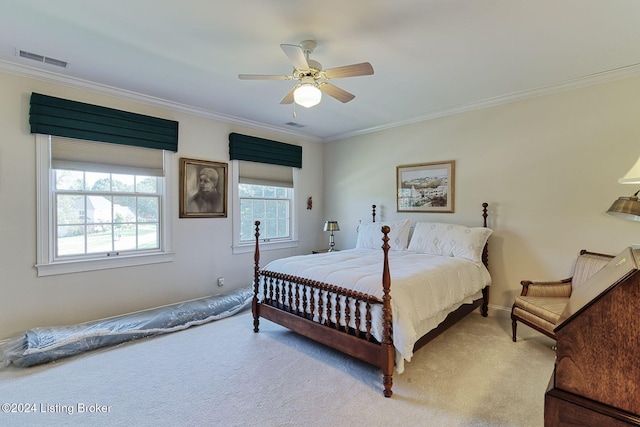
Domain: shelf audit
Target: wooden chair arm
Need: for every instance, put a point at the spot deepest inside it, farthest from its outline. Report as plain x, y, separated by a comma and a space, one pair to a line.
557, 288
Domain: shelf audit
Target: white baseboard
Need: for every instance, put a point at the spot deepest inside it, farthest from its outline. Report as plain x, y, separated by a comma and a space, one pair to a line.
500, 311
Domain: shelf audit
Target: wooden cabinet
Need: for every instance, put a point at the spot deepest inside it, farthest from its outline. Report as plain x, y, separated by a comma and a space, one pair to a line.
596, 380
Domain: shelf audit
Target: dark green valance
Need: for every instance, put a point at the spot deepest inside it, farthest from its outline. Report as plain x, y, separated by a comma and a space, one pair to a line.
71, 119
252, 149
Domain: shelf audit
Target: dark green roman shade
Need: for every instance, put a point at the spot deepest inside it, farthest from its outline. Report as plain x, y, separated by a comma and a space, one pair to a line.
252, 149
61, 117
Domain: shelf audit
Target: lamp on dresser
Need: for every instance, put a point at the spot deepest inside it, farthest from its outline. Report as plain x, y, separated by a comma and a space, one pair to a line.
331, 226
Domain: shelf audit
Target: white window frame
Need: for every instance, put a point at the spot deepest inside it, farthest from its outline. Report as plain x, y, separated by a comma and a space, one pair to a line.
265, 245
45, 263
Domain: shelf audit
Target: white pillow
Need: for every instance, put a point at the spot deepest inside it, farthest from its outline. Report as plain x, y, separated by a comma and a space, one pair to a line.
453, 240
370, 235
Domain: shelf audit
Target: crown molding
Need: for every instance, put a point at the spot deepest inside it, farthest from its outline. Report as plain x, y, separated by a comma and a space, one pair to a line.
580, 82
76, 83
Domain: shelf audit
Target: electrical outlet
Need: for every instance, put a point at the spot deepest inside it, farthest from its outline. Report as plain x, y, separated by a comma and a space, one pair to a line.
220, 281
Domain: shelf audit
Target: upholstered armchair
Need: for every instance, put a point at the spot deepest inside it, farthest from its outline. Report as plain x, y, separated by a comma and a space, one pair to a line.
540, 304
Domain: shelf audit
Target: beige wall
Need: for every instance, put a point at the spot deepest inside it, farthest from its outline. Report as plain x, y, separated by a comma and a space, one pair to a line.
548, 167
202, 246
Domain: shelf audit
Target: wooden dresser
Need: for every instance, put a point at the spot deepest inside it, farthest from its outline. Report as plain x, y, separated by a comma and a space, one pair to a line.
596, 380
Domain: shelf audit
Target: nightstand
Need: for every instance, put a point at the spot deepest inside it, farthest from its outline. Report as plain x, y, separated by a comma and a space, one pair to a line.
320, 251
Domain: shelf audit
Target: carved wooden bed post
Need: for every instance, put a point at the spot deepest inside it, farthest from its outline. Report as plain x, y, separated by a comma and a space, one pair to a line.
256, 277
387, 341
484, 309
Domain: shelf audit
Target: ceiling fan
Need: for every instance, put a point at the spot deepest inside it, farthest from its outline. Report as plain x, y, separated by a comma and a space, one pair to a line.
313, 79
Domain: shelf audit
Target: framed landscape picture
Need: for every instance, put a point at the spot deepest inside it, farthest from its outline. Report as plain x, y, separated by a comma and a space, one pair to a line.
426, 187
203, 189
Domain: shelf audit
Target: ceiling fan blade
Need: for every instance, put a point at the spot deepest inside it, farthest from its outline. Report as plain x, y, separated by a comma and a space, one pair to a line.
334, 91
296, 56
262, 77
288, 98
362, 69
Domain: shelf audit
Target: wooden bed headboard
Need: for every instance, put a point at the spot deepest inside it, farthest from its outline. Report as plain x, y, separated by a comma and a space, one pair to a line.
485, 205
484, 213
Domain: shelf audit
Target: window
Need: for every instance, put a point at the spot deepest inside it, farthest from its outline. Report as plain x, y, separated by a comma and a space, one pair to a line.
263, 193
100, 205
271, 205
104, 213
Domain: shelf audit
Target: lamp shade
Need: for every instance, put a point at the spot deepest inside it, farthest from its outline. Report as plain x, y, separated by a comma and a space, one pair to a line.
626, 207
331, 226
633, 176
307, 95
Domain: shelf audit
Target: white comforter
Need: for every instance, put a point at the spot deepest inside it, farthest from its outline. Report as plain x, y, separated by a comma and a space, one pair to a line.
423, 287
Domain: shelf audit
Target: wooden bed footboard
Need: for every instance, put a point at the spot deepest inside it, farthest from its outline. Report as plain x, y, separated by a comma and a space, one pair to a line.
329, 314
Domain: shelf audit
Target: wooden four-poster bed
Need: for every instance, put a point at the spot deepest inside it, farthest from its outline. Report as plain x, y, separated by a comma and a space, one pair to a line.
298, 293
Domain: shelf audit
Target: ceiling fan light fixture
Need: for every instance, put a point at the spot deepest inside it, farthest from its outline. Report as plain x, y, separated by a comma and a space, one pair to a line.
312, 78
307, 95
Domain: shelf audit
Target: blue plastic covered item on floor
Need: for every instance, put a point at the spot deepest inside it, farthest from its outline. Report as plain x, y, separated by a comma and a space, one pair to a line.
46, 344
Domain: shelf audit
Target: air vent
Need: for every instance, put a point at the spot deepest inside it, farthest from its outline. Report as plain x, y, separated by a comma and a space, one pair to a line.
295, 125
56, 62
33, 56
41, 58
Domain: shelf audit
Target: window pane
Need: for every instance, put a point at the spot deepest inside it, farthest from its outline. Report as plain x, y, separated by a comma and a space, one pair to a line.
283, 208
269, 228
70, 240
271, 209
68, 180
96, 181
258, 209
283, 227
124, 237
269, 192
243, 190
248, 190
146, 184
123, 183
148, 208
124, 209
247, 230
99, 209
70, 209
257, 191
99, 238
148, 236
246, 210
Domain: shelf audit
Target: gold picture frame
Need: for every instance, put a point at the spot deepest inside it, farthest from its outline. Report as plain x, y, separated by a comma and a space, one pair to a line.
203, 189
426, 187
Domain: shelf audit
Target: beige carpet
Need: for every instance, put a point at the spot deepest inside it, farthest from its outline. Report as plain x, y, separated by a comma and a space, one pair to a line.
222, 374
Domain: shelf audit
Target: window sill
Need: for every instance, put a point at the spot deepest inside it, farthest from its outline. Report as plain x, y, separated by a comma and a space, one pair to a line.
67, 267
264, 246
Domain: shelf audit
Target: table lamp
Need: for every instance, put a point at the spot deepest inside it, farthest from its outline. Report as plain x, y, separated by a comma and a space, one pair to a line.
331, 226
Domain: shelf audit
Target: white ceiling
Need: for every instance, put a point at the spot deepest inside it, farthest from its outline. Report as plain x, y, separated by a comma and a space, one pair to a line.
431, 57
